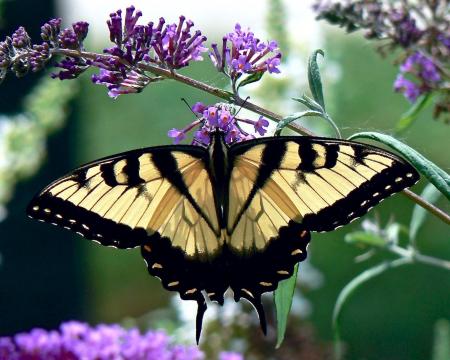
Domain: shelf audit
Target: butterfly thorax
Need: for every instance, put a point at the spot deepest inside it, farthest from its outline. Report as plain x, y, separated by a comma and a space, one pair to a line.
218, 168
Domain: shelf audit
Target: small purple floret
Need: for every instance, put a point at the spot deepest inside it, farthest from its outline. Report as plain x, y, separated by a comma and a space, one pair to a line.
272, 65
261, 125
176, 135
81, 29
227, 355
198, 108
407, 87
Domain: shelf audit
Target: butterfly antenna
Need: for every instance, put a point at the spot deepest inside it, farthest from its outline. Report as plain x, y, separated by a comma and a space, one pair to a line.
189, 106
242, 105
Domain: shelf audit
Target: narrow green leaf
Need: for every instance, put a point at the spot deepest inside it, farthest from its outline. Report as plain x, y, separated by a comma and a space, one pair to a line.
431, 171
251, 79
283, 301
441, 345
431, 194
349, 290
411, 114
288, 119
366, 238
315, 83
309, 103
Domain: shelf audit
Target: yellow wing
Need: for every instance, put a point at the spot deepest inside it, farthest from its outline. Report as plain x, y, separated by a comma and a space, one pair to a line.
318, 182
125, 199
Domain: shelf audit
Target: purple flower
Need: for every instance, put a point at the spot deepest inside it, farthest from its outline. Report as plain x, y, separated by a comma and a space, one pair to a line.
242, 53
241, 64
226, 355
76, 341
272, 64
6, 53
408, 88
218, 118
405, 30
177, 135
175, 46
233, 134
198, 108
444, 39
68, 39
72, 68
81, 29
186, 353
44, 344
260, 126
225, 119
20, 38
40, 54
50, 30
211, 114
422, 66
8, 349
202, 136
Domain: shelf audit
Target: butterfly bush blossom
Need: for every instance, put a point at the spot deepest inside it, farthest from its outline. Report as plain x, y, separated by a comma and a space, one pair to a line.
218, 116
166, 45
78, 341
419, 29
242, 52
137, 52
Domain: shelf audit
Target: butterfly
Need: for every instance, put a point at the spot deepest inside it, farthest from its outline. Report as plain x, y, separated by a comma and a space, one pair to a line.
223, 216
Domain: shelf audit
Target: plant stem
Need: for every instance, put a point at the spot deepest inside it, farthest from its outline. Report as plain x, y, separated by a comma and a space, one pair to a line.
225, 95
230, 97
427, 206
415, 256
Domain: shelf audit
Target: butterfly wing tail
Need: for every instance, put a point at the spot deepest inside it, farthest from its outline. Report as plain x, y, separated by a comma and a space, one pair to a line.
201, 309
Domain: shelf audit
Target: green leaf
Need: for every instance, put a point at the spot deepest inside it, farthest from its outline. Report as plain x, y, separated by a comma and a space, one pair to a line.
366, 238
251, 79
309, 103
315, 83
314, 106
430, 194
283, 301
411, 114
288, 119
350, 289
431, 171
441, 345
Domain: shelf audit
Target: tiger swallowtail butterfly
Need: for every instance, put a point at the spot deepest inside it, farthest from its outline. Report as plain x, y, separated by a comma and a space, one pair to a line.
238, 216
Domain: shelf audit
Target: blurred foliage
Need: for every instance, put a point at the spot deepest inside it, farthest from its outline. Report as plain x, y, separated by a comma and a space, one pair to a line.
441, 346
276, 25
23, 136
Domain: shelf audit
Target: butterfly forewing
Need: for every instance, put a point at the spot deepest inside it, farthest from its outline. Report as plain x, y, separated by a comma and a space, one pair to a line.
322, 183
124, 199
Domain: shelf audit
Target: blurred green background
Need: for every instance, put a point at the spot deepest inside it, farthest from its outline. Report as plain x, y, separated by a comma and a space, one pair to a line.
48, 275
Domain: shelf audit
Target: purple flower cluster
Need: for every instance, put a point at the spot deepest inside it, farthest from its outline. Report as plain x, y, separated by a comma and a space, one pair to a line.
377, 18
405, 30
415, 28
423, 69
170, 46
218, 117
243, 53
76, 340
